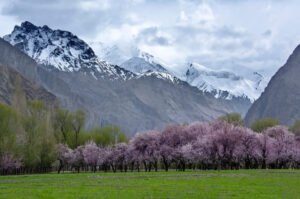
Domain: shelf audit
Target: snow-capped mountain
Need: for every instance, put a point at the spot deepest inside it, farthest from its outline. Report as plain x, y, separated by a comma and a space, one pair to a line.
66, 52
61, 50
114, 54
224, 84
128, 57
143, 63
221, 84
161, 75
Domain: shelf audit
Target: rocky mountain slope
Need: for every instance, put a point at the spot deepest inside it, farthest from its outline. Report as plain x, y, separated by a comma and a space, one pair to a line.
281, 98
11, 79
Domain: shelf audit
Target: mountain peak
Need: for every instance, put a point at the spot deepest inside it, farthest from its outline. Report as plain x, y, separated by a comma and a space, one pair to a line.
143, 64
28, 25
225, 84
62, 50
137, 65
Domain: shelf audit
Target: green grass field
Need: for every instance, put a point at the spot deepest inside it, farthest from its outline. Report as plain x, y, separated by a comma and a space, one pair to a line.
201, 184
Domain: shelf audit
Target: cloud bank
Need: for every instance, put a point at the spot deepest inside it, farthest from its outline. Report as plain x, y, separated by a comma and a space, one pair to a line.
234, 34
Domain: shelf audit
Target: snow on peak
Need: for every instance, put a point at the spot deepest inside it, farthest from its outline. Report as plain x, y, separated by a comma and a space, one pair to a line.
114, 54
66, 52
260, 81
222, 83
142, 64
129, 57
60, 49
160, 75
147, 57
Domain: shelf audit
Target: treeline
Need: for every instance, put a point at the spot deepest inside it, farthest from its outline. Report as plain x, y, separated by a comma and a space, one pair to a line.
216, 145
30, 132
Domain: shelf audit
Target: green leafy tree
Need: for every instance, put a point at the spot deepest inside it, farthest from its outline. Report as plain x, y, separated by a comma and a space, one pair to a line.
7, 129
68, 126
39, 149
263, 124
295, 128
77, 122
232, 118
62, 125
107, 136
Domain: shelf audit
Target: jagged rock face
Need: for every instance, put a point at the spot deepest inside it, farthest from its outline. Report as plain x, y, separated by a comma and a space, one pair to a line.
281, 98
61, 50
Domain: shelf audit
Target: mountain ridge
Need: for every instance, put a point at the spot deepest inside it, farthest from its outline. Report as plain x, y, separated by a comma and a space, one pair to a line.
222, 83
280, 99
62, 50
140, 62
145, 101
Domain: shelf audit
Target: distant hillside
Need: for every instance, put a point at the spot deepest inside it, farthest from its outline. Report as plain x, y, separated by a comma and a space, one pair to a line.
10, 78
281, 99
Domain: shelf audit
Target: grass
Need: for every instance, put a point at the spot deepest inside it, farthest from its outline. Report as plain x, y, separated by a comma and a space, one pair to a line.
201, 184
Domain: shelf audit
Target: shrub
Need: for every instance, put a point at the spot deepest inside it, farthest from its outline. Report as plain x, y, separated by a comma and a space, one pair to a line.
232, 118
261, 125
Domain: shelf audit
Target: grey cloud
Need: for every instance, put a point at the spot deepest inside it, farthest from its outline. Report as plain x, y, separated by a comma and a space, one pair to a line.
220, 44
151, 36
226, 31
67, 14
216, 39
268, 33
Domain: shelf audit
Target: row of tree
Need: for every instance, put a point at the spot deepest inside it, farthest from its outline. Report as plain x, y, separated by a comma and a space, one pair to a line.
217, 145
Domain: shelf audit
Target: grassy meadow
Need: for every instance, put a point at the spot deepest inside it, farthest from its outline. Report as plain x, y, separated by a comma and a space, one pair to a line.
190, 184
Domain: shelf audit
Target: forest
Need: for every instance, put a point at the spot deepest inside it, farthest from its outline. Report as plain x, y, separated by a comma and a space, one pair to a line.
218, 145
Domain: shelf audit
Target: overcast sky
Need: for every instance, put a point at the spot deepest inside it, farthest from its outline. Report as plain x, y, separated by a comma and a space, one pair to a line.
230, 34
